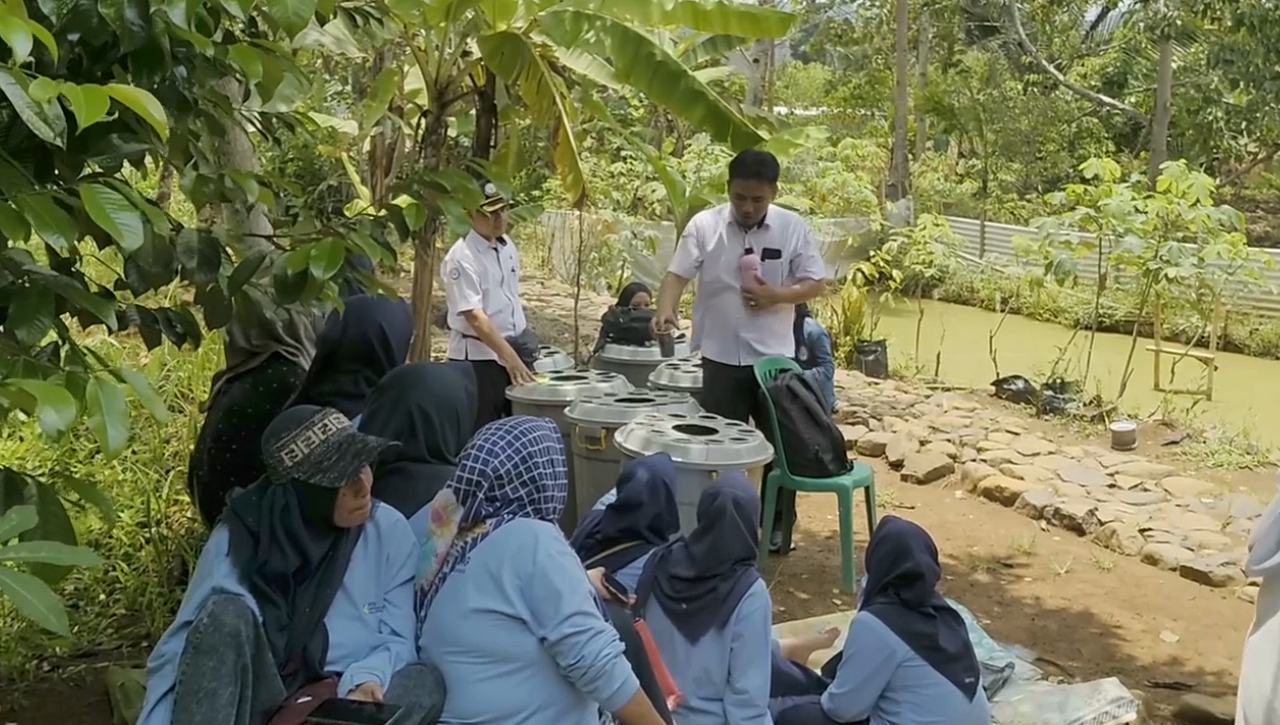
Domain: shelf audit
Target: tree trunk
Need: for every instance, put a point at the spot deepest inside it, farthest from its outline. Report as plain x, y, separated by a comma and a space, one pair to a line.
1163, 111
759, 57
897, 187
486, 133
922, 84
245, 228
426, 248
164, 187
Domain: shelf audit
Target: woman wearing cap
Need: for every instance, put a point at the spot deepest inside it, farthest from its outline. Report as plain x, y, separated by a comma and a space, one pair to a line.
508, 613
429, 408
710, 611
908, 659
303, 591
366, 339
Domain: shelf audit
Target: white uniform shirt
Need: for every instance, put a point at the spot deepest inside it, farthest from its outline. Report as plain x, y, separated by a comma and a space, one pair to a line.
483, 275
725, 329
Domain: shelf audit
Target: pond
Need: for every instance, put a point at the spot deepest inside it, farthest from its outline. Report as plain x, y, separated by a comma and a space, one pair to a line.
1246, 393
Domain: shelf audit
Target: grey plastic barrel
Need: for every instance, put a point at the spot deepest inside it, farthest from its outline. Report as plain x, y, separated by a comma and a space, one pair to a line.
703, 446
682, 375
636, 362
552, 359
550, 396
596, 417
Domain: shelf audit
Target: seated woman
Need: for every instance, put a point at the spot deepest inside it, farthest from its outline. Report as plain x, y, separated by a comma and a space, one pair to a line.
268, 349
642, 516
908, 659
709, 610
430, 410
366, 339
813, 353
635, 294
304, 590
508, 613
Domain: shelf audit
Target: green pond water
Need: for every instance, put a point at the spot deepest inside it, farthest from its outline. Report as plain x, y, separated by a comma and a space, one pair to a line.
1246, 390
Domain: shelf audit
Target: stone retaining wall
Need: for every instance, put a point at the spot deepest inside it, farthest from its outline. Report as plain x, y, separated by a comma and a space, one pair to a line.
1120, 501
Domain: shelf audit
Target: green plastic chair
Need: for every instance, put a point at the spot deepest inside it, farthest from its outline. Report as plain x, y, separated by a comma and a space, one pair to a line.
860, 476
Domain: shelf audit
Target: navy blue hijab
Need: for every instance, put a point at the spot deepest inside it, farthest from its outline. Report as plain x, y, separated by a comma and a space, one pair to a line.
902, 592
644, 515
699, 579
366, 339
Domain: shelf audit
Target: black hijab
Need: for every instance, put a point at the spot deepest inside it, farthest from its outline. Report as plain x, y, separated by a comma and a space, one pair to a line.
699, 580
293, 559
629, 292
359, 344
430, 409
643, 516
902, 579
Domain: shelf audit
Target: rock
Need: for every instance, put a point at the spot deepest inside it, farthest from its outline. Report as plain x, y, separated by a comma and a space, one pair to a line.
1052, 462
1145, 707
1249, 593
1127, 483
1120, 538
1197, 709
1218, 571
1166, 556
1072, 452
1001, 438
1145, 470
1003, 489
1030, 445
1068, 490
1026, 472
922, 468
1000, 457
1082, 475
1160, 536
1070, 514
1033, 503
1183, 487
1108, 459
899, 447
973, 473
852, 434
1192, 521
1099, 517
1208, 541
1139, 498
968, 454
984, 446
872, 445
1243, 506
947, 449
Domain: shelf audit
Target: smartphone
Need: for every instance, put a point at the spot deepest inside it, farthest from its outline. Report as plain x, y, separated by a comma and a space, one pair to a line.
616, 588
341, 711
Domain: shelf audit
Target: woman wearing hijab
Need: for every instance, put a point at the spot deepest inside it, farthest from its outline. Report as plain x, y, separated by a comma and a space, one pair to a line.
268, 349
709, 610
360, 343
908, 659
430, 410
508, 613
303, 591
642, 516
813, 353
635, 294
1258, 699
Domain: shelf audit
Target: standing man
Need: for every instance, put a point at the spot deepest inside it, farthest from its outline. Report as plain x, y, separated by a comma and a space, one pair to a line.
736, 325
481, 275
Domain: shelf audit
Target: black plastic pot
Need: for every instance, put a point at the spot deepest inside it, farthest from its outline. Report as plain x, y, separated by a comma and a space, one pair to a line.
871, 358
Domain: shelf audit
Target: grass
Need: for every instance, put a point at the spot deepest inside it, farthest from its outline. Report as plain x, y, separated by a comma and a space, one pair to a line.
127, 602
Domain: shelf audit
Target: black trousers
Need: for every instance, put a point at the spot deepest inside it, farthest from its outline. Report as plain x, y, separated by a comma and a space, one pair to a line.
638, 658
731, 391
492, 381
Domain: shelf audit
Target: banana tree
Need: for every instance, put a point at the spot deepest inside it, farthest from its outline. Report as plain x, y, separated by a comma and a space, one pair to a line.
536, 50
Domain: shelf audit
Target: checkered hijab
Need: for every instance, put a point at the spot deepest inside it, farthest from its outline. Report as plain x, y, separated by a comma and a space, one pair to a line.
513, 469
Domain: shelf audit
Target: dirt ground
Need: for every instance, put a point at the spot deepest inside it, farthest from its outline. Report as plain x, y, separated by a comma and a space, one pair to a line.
1088, 613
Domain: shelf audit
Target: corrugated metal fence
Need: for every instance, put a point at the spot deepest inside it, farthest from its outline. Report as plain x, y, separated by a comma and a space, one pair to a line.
649, 247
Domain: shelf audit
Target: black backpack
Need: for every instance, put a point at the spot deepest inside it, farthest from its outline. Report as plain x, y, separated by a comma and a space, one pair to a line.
813, 444
627, 326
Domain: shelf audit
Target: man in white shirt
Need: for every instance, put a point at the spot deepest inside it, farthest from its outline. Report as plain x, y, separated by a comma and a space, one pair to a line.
481, 275
734, 326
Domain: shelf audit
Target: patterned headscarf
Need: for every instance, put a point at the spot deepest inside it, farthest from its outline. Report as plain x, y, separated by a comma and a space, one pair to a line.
513, 469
